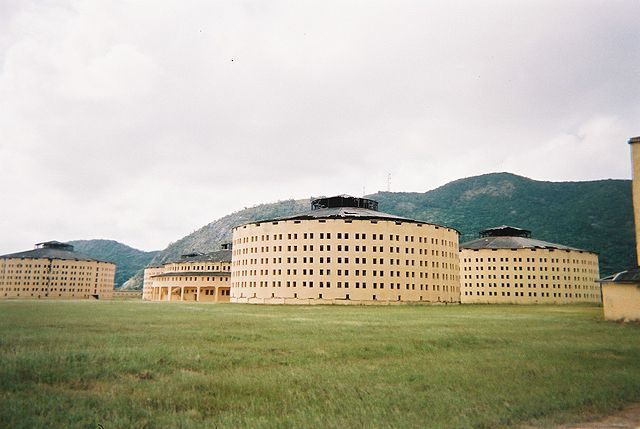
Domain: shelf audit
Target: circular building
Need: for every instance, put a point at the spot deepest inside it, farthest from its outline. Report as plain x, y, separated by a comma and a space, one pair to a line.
55, 270
344, 251
194, 277
505, 265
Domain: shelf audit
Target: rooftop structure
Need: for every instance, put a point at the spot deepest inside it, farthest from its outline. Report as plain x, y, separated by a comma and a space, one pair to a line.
344, 251
223, 255
506, 265
344, 201
505, 231
55, 270
509, 237
51, 250
344, 207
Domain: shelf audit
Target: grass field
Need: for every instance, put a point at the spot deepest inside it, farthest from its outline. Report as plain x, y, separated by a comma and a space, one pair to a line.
124, 364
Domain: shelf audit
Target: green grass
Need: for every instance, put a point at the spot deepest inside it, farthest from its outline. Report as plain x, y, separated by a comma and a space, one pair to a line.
128, 364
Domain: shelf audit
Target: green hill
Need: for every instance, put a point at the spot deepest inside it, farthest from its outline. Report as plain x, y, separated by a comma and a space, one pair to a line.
595, 215
128, 260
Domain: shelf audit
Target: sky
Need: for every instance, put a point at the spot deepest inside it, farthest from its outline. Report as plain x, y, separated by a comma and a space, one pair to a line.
141, 121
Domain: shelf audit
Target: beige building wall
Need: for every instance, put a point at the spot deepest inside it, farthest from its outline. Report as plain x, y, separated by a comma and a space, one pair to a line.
529, 276
621, 292
621, 301
197, 281
147, 284
635, 164
344, 261
56, 278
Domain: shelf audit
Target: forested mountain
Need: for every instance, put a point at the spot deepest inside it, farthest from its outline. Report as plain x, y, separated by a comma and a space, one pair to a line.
595, 215
128, 260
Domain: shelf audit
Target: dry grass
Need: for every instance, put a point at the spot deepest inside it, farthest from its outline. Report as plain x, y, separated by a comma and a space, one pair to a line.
156, 365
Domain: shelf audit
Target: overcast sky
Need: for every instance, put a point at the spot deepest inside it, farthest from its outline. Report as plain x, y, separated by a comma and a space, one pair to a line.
141, 121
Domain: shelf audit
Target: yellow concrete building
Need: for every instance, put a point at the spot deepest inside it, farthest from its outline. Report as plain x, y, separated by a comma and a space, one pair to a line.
505, 265
621, 292
344, 251
54, 270
194, 277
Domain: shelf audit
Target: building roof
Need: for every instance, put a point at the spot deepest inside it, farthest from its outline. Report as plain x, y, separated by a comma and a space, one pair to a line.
505, 231
193, 273
223, 255
343, 201
52, 250
514, 243
217, 256
510, 237
629, 276
345, 207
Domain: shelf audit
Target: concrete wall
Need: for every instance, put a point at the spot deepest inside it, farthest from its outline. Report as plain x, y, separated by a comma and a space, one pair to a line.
635, 165
344, 261
56, 278
147, 285
127, 294
529, 276
621, 301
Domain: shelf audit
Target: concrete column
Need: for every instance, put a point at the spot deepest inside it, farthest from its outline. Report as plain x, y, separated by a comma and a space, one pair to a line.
181, 293
635, 166
198, 293
168, 293
216, 291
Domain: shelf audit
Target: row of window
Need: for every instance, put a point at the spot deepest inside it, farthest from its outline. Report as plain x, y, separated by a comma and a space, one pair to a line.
342, 236
534, 286
530, 268
346, 260
531, 277
35, 289
341, 248
346, 297
534, 294
345, 285
183, 267
47, 266
191, 279
544, 260
28, 283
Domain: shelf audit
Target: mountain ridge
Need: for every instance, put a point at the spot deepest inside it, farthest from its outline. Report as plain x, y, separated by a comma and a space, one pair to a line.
128, 260
592, 215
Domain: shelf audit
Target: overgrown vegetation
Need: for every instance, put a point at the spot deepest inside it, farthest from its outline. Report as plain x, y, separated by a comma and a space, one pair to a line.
127, 259
157, 365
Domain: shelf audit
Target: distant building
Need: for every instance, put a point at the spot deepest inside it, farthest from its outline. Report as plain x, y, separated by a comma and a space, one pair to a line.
621, 291
55, 270
194, 277
506, 265
344, 251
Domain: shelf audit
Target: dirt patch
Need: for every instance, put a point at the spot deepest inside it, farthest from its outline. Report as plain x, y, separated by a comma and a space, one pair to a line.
628, 418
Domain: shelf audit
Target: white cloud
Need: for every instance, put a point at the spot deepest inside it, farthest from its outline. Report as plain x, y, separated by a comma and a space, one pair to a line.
142, 121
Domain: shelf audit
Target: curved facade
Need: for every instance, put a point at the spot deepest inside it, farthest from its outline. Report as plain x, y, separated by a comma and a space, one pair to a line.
507, 266
344, 252
194, 277
54, 270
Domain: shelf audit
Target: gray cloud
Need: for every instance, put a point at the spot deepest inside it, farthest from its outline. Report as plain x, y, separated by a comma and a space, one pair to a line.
141, 121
